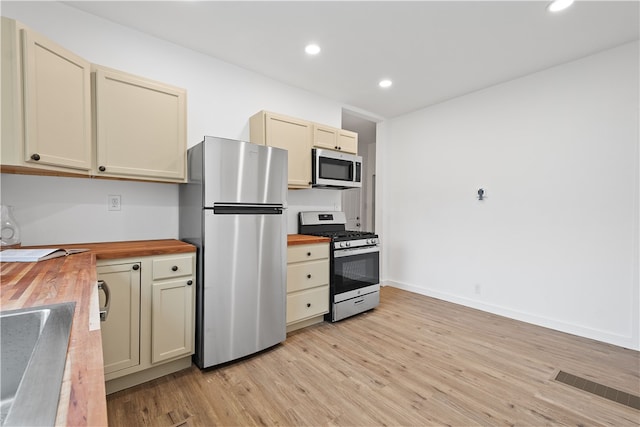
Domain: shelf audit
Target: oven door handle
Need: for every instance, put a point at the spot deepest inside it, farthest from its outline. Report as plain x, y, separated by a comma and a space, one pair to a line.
357, 251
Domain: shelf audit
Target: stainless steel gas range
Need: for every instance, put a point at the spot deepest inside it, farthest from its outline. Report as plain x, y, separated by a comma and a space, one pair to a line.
354, 261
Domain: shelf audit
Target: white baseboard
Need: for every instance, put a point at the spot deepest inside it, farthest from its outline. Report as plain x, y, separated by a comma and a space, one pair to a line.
618, 340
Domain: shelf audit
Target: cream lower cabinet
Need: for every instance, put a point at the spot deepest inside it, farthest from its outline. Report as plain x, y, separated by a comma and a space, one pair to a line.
172, 308
307, 284
149, 330
46, 103
121, 327
293, 135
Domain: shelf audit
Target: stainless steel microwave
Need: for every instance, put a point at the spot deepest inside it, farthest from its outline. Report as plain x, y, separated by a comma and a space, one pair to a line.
334, 169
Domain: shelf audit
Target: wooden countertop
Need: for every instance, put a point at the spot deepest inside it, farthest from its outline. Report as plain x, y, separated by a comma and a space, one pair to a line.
115, 250
303, 239
73, 278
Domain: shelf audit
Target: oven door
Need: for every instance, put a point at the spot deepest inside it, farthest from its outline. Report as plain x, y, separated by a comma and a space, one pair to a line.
355, 268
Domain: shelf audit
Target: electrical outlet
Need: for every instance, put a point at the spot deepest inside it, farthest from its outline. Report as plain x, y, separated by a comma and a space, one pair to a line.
114, 202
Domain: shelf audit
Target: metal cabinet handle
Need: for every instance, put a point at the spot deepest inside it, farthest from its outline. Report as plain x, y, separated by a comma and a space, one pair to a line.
308, 304
308, 253
308, 276
102, 169
174, 268
136, 267
189, 282
104, 311
35, 157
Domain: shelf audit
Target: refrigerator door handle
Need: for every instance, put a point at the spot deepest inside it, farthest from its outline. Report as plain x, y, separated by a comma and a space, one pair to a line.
234, 209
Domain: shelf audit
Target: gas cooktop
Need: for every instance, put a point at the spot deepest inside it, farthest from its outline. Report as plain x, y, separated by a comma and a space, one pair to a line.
332, 225
344, 234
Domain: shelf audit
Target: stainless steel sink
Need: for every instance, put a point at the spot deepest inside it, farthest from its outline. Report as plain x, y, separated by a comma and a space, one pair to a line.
33, 347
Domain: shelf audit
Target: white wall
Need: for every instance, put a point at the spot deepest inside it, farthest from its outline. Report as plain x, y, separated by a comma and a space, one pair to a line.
220, 99
556, 240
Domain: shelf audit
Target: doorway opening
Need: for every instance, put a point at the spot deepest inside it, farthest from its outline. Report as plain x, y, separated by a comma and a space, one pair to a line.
360, 204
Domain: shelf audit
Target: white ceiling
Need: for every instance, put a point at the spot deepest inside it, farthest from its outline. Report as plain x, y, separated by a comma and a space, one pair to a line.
432, 50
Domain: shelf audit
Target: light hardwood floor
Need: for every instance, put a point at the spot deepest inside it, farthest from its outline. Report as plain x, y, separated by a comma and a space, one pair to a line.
413, 361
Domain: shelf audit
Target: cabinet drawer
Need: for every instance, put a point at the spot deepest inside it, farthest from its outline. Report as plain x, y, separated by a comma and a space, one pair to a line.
305, 275
172, 267
309, 303
311, 252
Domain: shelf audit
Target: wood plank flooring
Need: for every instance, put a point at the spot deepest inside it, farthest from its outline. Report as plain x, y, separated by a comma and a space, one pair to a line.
413, 361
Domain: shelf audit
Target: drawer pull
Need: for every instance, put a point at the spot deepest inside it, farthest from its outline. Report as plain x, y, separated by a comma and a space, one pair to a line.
174, 268
35, 157
308, 276
136, 267
189, 282
308, 253
358, 302
308, 304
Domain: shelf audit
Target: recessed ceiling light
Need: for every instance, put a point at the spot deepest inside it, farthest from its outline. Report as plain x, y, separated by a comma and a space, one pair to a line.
558, 5
312, 49
385, 83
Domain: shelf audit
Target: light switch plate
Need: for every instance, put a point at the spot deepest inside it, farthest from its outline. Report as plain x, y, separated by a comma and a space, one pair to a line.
114, 202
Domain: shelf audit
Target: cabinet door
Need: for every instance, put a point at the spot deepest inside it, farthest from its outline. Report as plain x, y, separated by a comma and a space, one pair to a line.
348, 141
57, 105
295, 136
325, 137
172, 319
121, 330
141, 129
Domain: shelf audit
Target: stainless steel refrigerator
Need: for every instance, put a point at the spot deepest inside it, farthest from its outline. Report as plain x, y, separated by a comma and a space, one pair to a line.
233, 210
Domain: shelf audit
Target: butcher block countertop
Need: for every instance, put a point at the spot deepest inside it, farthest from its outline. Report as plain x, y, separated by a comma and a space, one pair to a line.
303, 239
115, 250
73, 279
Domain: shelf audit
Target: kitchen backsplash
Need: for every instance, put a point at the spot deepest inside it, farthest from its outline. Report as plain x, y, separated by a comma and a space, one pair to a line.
57, 210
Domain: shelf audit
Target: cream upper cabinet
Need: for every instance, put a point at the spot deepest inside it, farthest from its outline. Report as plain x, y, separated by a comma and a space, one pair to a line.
325, 137
335, 139
347, 141
54, 122
46, 103
140, 127
293, 135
